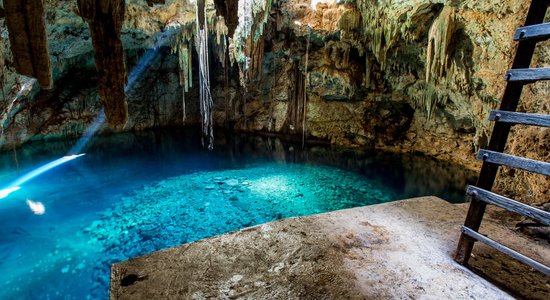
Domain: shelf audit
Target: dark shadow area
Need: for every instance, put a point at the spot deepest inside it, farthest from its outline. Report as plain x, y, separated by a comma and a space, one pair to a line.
517, 279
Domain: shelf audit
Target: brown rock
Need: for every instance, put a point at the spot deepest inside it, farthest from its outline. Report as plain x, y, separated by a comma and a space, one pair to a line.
105, 19
29, 45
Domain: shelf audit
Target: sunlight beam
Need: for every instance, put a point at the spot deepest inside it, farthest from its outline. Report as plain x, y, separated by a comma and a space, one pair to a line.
36, 172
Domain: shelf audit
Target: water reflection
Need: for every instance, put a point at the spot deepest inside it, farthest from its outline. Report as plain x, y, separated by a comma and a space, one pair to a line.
174, 152
115, 202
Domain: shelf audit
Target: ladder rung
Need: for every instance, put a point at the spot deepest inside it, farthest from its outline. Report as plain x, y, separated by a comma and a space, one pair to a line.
526, 164
539, 32
520, 118
509, 204
512, 253
528, 74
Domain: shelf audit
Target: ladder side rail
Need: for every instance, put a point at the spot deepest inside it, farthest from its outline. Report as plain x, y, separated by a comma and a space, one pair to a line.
510, 99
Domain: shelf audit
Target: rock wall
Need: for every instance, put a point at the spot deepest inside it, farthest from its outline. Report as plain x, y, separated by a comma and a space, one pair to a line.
28, 113
444, 60
408, 76
415, 76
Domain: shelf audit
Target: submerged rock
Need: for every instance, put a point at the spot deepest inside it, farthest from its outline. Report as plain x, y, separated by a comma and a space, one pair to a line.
232, 182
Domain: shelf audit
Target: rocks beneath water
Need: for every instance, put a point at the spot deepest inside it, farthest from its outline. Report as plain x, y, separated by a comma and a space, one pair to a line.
232, 182
198, 205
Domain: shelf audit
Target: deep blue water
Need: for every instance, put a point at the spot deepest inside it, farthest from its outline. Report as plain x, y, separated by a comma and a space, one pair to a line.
132, 194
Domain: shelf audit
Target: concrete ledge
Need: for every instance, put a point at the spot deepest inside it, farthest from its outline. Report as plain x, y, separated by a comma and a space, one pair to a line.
401, 249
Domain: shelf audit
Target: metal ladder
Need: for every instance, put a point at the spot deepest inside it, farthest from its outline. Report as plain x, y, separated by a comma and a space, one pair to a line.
533, 32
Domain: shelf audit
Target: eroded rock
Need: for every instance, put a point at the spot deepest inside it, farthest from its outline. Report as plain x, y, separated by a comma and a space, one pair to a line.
29, 45
105, 19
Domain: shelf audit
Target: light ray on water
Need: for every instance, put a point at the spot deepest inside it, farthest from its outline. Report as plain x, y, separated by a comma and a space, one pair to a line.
163, 39
16, 185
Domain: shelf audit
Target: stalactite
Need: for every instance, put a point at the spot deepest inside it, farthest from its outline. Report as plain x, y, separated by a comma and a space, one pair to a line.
201, 44
297, 100
228, 9
439, 38
184, 64
181, 46
27, 34
338, 53
256, 58
385, 32
381, 33
3, 71
228, 98
388, 28
253, 16
105, 19
350, 20
429, 100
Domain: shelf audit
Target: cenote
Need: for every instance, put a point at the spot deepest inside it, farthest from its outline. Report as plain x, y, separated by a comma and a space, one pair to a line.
132, 194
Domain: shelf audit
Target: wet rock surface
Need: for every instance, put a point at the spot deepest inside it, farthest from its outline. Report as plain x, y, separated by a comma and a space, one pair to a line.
395, 250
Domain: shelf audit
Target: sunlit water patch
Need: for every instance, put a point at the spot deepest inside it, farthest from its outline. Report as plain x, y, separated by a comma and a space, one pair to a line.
134, 194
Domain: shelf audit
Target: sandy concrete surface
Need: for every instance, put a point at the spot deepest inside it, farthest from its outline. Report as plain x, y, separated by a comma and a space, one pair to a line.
400, 250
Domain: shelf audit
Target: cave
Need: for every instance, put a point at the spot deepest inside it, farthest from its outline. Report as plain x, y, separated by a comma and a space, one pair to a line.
275, 149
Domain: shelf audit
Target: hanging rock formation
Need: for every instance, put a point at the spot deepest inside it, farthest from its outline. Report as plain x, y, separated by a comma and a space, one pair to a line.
228, 9
407, 76
105, 19
25, 22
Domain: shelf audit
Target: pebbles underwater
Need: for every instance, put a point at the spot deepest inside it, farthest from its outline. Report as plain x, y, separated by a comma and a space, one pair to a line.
194, 206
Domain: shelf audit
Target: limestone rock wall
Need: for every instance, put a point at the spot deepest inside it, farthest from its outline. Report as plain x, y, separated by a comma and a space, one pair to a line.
414, 76
29, 113
408, 76
444, 59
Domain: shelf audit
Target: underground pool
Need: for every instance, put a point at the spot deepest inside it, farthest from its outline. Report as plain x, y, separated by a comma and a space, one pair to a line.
132, 194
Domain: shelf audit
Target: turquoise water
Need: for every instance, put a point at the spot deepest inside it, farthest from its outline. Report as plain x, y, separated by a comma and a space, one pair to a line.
134, 194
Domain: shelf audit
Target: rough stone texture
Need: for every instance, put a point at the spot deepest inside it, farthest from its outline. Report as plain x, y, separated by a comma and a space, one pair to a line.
369, 63
229, 10
25, 22
7, 74
445, 59
389, 251
105, 19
